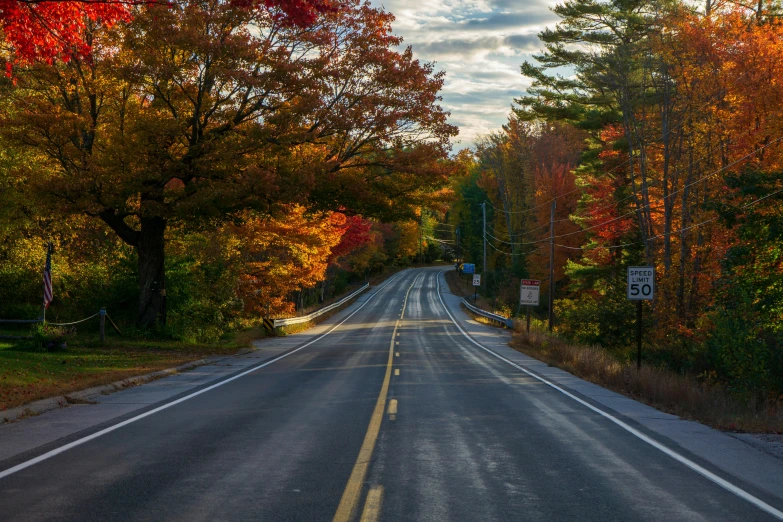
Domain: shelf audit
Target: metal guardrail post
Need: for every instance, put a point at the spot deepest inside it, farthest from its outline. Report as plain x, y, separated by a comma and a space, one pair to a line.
505, 321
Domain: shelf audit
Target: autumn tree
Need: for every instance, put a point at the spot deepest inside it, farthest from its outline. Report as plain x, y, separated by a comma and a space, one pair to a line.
195, 111
283, 255
51, 30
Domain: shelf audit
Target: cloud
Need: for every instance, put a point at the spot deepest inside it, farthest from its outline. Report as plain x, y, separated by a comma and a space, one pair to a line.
480, 44
461, 47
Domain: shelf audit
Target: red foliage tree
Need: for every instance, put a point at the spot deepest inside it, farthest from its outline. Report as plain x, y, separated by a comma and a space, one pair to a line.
356, 232
54, 29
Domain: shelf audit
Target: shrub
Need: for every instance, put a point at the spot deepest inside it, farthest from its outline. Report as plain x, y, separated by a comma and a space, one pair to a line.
49, 338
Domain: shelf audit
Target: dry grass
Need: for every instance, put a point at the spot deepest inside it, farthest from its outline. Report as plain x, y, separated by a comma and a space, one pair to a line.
681, 395
479, 318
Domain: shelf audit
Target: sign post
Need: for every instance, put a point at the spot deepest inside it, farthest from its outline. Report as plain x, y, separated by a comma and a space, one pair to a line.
476, 284
529, 290
468, 268
641, 287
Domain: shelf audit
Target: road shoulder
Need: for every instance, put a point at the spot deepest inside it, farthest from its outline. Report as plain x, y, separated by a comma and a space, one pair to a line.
747, 459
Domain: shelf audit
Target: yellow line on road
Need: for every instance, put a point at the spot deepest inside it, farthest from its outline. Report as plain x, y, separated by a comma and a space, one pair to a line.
396, 371
372, 506
392, 407
353, 489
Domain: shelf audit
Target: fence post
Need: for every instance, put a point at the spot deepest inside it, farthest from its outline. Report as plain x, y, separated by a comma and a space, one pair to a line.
103, 325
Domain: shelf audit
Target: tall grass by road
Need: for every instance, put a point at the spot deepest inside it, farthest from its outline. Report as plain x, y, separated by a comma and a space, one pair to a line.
679, 394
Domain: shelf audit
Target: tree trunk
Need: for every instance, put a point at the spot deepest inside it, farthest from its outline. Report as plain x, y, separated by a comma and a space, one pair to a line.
152, 277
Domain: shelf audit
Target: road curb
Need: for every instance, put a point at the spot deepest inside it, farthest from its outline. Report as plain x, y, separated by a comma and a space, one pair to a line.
84, 396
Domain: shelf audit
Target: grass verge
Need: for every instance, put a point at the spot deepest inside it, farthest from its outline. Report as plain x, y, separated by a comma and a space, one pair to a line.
27, 375
682, 395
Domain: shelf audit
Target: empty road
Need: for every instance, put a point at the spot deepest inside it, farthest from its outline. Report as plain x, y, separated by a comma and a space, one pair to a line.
395, 414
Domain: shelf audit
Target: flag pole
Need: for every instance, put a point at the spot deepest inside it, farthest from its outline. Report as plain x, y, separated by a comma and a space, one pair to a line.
44, 286
47, 267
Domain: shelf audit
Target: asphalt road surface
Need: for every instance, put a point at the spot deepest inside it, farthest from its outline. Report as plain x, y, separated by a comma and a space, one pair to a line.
394, 415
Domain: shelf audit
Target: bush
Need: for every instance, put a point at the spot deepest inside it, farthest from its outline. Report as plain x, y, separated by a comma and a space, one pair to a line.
49, 338
743, 353
605, 320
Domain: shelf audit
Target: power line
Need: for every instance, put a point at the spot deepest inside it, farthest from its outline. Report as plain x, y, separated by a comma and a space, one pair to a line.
516, 243
509, 253
438, 240
673, 193
625, 162
684, 229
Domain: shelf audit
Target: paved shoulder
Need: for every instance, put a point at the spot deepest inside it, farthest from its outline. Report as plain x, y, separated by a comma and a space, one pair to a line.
752, 467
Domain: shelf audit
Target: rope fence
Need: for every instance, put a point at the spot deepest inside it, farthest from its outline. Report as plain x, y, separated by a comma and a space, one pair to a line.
101, 313
75, 322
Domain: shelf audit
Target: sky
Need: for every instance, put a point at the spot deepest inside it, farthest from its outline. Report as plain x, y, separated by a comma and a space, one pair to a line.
480, 44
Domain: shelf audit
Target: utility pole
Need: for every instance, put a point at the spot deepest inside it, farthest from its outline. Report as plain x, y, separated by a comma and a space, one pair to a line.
421, 233
552, 266
458, 250
484, 268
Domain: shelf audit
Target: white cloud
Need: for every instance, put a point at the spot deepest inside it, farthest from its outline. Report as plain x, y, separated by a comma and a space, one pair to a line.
480, 44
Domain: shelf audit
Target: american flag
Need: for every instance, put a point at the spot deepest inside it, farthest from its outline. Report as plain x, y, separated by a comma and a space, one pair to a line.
47, 278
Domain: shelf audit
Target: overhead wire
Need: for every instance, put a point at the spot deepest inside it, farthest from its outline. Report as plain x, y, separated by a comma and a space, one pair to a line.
616, 167
649, 205
509, 253
684, 229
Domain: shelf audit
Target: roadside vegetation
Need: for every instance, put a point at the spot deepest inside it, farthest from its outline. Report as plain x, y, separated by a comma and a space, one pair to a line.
664, 148
678, 393
28, 374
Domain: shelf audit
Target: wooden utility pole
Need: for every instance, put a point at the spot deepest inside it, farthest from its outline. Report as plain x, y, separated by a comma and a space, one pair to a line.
421, 233
552, 266
103, 325
458, 247
484, 268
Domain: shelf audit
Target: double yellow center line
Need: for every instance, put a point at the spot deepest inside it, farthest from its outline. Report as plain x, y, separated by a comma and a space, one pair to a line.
353, 490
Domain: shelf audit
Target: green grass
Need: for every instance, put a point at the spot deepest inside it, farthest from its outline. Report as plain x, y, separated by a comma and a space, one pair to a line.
27, 375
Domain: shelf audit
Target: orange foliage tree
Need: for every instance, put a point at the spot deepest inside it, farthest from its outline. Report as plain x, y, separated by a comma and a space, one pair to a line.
284, 254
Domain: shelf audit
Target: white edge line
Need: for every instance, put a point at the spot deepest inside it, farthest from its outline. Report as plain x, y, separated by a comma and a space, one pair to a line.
79, 442
652, 442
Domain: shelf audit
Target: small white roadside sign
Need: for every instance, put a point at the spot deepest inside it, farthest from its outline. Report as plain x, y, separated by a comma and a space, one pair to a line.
529, 290
641, 283
476, 279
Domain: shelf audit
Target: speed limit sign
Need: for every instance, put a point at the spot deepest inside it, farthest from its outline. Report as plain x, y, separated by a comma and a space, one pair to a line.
641, 283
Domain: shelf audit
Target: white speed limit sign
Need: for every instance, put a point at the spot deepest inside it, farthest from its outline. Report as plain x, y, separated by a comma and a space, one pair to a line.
641, 283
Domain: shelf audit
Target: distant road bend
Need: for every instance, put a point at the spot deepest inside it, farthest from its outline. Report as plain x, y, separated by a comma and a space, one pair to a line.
395, 415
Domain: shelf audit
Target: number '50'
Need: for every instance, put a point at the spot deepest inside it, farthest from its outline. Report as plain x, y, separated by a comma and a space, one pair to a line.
645, 289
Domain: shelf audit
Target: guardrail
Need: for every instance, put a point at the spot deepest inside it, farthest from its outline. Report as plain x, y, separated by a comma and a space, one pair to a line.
508, 323
276, 323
